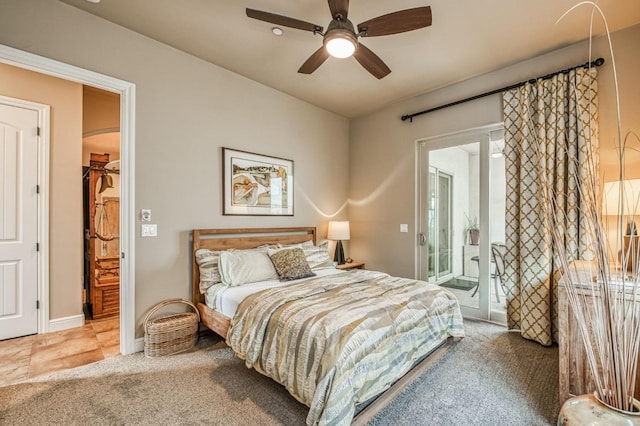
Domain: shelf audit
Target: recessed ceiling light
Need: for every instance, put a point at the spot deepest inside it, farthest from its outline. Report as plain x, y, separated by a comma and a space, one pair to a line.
93, 1
275, 30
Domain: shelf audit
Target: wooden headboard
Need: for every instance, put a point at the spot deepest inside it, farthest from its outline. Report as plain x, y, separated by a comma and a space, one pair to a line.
242, 238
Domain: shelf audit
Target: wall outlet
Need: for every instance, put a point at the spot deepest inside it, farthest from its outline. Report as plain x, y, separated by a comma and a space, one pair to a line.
149, 230
404, 227
145, 215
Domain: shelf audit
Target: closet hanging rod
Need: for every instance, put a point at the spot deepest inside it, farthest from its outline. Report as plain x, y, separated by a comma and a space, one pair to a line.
595, 63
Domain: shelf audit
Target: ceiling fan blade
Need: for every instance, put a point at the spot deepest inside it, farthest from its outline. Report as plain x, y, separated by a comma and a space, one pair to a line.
396, 22
285, 21
314, 61
339, 7
371, 62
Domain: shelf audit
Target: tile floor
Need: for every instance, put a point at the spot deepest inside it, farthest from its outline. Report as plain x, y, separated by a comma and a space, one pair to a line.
27, 357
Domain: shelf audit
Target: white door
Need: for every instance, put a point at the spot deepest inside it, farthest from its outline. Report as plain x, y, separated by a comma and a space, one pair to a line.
18, 221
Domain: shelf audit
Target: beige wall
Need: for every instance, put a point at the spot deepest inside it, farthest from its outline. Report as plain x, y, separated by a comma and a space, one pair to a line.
383, 148
101, 143
186, 110
101, 110
626, 45
65, 178
100, 123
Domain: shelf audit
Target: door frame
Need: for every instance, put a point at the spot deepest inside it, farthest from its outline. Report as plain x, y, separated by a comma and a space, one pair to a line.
126, 90
450, 140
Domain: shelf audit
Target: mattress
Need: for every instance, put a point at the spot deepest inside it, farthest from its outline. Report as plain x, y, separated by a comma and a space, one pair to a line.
225, 299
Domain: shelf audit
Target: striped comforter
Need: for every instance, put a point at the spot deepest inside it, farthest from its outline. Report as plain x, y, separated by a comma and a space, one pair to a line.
339, 340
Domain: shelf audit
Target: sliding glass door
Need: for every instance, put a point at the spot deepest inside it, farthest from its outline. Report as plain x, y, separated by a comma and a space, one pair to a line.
439, 224
459, 218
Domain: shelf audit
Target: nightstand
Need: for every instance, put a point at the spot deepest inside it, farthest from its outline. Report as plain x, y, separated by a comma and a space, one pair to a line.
352, 265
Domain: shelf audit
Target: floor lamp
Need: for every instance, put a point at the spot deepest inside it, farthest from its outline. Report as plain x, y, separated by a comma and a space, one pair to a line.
338, 231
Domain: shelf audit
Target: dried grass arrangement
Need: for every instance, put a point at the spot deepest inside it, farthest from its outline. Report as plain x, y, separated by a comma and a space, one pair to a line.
607, 304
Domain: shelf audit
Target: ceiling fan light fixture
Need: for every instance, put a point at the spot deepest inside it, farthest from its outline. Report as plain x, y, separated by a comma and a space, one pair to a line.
340, 44
341, 38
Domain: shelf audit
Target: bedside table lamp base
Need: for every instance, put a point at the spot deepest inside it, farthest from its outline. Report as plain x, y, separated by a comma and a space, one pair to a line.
338, 231
339, 254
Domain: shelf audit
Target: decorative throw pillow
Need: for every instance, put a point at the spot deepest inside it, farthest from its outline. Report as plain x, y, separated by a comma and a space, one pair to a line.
207, 261
290, 264
239, 267
318, 257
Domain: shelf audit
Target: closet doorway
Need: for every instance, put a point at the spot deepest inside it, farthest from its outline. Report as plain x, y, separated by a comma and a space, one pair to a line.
101, 203
126, 91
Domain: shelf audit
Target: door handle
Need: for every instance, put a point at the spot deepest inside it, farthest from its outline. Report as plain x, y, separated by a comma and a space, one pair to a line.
422, 239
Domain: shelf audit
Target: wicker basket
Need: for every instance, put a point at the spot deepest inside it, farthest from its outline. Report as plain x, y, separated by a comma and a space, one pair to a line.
170, 334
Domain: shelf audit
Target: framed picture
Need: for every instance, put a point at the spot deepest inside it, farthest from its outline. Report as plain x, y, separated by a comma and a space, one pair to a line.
255, 184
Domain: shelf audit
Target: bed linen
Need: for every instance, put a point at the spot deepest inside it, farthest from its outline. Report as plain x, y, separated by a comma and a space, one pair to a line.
225, 299
339, 340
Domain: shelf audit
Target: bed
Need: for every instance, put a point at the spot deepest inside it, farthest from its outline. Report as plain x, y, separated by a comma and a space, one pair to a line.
341, 342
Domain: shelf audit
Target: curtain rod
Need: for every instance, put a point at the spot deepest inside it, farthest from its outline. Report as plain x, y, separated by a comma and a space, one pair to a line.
596, 63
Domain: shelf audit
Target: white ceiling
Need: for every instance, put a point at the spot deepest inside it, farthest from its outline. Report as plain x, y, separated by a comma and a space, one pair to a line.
467, 38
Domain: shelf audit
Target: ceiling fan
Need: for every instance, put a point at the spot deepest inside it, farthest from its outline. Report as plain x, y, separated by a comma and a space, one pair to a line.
341, 39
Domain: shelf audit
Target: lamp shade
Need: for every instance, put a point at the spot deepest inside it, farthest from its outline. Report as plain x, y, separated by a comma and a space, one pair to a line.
611, 203
338, 230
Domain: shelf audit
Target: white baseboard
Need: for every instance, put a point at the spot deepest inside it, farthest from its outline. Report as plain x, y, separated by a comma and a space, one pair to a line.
74, 321
65, 323
140, 344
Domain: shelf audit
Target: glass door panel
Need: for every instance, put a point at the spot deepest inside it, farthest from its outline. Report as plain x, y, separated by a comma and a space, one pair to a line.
444, 224
439, 225
431, 225
497, 235
455, 261
455, 190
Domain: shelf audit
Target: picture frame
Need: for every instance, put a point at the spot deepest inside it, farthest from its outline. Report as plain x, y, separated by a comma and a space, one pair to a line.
256, 184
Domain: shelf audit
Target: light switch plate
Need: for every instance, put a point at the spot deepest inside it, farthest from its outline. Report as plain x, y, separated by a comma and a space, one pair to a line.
149, 230
404, 227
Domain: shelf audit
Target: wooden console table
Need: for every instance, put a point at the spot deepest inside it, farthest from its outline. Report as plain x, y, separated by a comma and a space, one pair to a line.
575, 376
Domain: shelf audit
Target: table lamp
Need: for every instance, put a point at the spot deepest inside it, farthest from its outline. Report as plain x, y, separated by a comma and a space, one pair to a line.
338, 231
612, 205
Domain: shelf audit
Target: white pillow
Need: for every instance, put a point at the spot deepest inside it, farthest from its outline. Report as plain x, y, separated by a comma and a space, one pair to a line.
318, 257
303, 245
239, 267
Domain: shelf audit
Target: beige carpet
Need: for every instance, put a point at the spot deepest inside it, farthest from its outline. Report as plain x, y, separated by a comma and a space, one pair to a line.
490, 377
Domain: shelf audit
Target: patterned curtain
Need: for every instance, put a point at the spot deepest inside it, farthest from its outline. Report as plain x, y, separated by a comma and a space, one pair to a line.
550, 127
